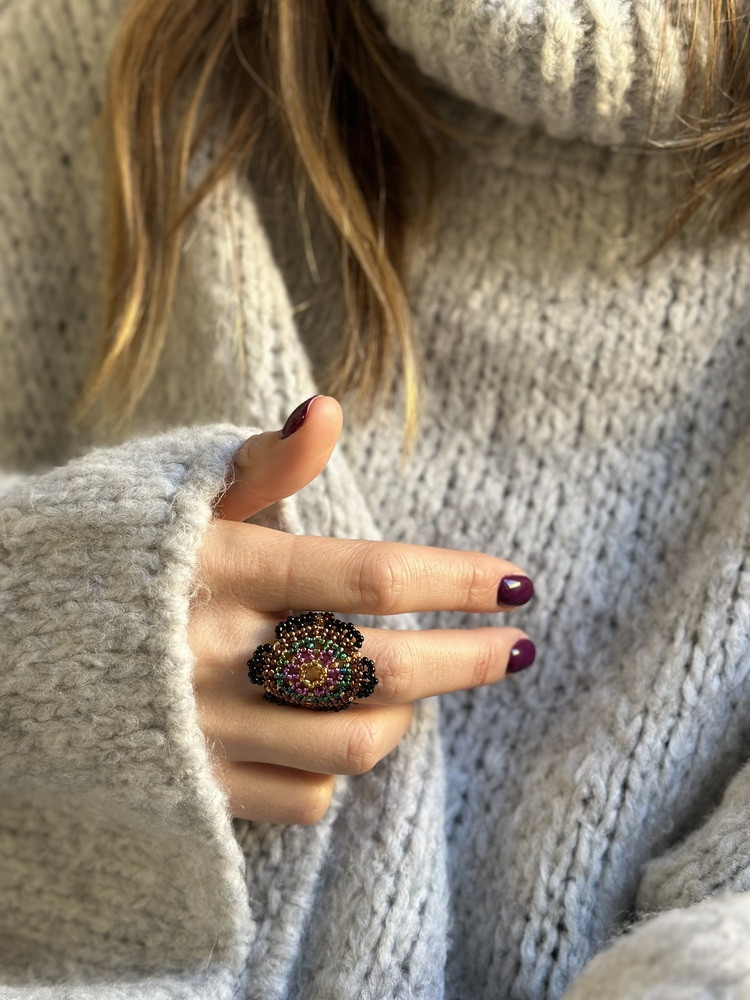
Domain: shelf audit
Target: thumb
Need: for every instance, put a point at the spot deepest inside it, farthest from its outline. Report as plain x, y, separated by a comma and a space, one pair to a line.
276, 464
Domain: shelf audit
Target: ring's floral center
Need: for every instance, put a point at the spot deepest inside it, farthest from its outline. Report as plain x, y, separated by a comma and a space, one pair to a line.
313, 673
314, 663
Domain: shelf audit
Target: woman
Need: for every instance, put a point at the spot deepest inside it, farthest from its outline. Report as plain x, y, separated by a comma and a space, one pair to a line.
580, 830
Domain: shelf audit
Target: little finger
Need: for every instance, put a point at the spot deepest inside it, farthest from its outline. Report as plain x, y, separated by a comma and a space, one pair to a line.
349, 742
266, 793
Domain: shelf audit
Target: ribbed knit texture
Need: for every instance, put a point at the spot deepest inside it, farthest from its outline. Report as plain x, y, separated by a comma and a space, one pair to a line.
580, 67
581, 829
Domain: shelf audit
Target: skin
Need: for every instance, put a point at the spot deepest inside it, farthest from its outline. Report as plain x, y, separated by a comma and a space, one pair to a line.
277, 763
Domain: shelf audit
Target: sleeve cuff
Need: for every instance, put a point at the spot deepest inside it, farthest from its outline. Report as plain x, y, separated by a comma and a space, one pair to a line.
116, 840
697, 951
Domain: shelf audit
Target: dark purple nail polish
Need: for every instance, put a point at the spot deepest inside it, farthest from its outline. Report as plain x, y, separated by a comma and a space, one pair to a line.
515, 590
297, 418
522, 655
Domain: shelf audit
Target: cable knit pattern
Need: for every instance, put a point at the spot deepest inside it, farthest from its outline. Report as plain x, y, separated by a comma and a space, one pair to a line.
581, 830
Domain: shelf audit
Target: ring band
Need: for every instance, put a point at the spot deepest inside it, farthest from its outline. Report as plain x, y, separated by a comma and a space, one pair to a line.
313, 664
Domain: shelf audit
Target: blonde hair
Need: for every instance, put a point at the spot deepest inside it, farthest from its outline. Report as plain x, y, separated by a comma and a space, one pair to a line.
358, 130
712, 179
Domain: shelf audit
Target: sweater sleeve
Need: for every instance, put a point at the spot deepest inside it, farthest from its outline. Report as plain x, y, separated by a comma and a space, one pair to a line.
116, 843
683, 954
692, 934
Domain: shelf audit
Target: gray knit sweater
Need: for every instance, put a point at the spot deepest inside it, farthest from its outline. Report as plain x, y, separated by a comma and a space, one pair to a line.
581, 829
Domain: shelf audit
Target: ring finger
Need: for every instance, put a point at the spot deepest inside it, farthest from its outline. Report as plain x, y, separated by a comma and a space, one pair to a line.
418, 664
409, 665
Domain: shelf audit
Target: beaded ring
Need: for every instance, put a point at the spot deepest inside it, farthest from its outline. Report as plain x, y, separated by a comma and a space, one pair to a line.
313, 664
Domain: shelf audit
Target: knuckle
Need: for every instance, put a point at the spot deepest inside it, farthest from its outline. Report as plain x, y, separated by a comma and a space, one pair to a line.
315, 803
475, 586
242, 458
363, 746
250, 454
485, 666
395, 668
379, 578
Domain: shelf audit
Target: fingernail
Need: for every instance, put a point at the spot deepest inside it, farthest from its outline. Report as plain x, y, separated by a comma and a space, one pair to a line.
515, 590
297, 417
522, 655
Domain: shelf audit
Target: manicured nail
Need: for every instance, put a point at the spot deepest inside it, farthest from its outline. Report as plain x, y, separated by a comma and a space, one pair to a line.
515, 590
522, 655
297, 418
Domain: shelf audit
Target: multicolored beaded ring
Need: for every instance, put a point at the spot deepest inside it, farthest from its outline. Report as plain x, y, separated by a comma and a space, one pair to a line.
313, 664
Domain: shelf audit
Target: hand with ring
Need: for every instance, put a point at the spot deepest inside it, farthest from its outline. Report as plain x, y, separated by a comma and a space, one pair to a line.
275, 758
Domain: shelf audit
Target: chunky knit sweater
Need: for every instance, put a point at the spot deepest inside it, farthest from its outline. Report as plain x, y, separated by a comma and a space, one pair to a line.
581, 829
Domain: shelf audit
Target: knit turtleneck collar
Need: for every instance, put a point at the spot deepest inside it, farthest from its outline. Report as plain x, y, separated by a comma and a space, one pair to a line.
580, 68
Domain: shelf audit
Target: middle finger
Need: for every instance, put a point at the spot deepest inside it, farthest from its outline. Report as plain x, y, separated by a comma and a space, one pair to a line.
408, 664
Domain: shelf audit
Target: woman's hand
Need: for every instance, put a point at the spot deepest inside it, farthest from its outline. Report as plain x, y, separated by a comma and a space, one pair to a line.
276, 763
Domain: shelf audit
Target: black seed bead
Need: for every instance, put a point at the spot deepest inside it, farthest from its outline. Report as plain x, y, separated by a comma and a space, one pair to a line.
270, 697
368, 680
255, 673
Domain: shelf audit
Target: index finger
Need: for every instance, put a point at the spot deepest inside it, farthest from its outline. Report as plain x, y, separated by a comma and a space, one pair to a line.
271, 570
